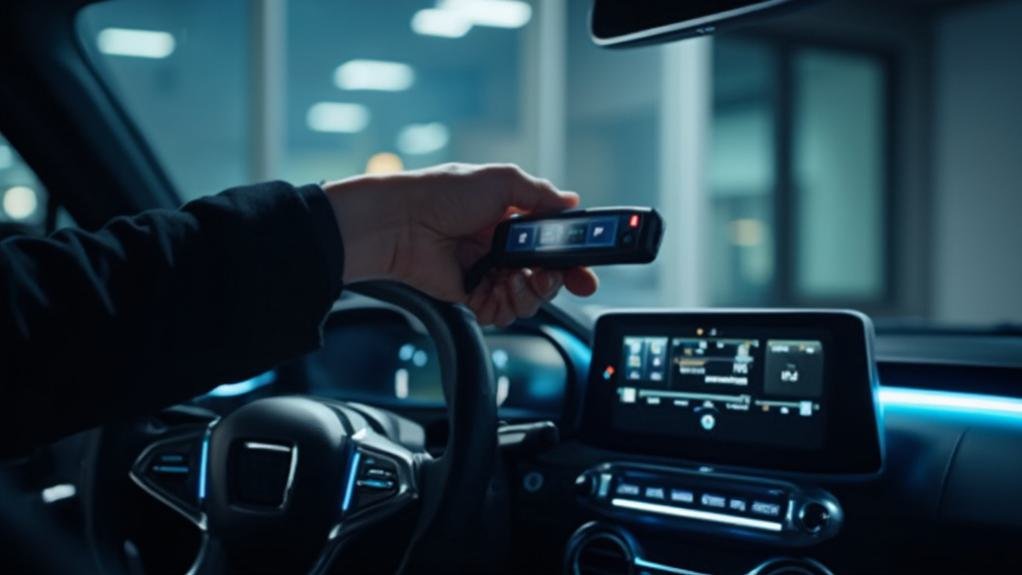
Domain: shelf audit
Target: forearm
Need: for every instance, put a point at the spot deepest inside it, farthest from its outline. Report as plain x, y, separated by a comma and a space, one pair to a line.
156, 308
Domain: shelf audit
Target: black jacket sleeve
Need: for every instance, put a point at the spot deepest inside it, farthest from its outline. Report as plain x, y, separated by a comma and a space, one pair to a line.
160, 307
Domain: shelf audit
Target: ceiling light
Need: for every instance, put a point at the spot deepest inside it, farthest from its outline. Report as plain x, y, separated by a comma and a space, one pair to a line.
417, 139
20, 202
442, 23
337, 117
389, 163
493, 13
135, 43
374, 75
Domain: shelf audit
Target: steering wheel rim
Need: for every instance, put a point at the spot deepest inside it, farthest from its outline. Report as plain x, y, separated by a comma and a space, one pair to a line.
449, 490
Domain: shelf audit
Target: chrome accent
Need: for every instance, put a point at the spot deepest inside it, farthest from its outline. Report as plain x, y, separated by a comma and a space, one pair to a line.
697, 514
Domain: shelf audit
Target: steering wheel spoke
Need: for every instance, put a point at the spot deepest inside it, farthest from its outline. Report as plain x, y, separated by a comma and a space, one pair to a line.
173, 471
381, 481
294, 483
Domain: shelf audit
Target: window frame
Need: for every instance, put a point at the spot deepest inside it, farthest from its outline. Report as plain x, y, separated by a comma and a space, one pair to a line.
786, 202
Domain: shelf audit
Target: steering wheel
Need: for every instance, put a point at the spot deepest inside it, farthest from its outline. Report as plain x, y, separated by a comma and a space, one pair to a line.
293, 484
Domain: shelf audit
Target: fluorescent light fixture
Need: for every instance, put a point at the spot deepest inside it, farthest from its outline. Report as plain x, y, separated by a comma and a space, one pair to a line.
419, 139
58, 492
135, 43
20, 202
492, 13
6, 157
374, 75
440, 23
337, 117
697, 514
947, 401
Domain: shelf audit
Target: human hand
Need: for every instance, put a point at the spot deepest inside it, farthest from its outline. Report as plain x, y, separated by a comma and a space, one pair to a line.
427, 227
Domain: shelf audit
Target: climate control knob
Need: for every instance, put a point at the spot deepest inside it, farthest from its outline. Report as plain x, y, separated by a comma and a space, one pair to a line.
814, 517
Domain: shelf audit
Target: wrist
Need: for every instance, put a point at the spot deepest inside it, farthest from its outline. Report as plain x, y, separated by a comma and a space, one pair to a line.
372, 220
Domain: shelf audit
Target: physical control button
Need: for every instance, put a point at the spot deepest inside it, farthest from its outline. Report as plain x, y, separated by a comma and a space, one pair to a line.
655, 493
737, 504
814, 517
711, 500
682, 496
171, 468
377, 480
766, 508
628, 489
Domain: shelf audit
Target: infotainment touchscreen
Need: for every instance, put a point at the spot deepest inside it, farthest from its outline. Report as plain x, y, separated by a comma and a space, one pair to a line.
743, 386
783, 390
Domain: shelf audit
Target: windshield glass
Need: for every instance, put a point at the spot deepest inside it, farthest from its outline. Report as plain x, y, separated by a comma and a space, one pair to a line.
852, 154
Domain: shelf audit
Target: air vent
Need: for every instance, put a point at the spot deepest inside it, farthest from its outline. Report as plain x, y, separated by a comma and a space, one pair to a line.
791, 567
603, 554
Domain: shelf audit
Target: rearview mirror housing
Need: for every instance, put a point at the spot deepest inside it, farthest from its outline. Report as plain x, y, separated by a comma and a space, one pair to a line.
621, 23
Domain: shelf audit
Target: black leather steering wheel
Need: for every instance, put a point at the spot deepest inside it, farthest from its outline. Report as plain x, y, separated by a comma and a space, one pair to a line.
292, 484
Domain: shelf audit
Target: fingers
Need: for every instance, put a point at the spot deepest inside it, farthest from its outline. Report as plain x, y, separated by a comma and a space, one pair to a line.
506, 296
532, 194
581, 281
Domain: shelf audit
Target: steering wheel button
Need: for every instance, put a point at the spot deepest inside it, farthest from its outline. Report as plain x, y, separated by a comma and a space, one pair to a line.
377, 484
379, 472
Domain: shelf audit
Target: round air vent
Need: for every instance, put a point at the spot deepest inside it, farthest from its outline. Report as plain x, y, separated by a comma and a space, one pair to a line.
786, 566
597, 551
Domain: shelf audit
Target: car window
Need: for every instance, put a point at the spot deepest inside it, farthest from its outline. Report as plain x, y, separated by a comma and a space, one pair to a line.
791, 161
23, 200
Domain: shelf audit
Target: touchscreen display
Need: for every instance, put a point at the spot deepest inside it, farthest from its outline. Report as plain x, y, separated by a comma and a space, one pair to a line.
786, 390
574, 233
736, 385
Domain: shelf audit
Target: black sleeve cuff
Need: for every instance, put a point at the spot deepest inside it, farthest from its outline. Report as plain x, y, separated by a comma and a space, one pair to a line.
324, 224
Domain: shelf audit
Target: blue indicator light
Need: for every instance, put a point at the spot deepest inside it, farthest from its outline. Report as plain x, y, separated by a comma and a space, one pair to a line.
243, 387
951, 402
202, 467
349, 488
171, 469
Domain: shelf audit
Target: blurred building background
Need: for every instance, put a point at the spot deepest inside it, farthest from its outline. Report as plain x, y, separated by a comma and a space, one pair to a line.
856, 153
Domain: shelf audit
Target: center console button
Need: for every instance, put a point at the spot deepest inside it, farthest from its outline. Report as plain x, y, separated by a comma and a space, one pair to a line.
766, 508
654, 493
736, 504
627, 489
682, 496
711, 500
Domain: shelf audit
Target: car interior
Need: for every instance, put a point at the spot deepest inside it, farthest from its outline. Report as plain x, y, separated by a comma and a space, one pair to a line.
820, 373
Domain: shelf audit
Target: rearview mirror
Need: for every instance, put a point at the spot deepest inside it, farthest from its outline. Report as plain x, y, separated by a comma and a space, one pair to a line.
616, 23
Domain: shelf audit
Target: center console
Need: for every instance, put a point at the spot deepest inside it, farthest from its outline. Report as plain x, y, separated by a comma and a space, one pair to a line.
724, 424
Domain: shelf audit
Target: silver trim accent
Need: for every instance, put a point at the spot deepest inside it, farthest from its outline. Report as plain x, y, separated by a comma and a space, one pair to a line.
268, 446
706, 24
197, 517
647, 564
697, 514
292, 451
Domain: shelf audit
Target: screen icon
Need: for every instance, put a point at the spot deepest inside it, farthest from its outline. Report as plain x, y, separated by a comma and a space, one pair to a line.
602, 232
708, 421
521, 238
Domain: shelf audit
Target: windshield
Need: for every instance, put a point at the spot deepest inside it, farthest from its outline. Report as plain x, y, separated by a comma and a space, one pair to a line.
852, 154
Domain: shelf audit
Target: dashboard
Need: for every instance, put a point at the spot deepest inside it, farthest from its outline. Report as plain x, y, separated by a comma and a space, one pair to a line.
722, 442
381, 356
